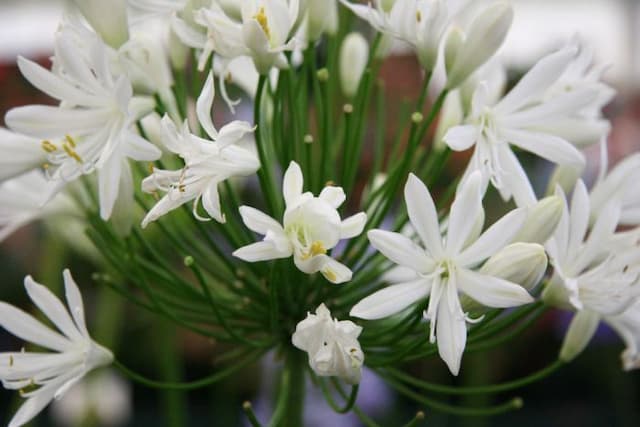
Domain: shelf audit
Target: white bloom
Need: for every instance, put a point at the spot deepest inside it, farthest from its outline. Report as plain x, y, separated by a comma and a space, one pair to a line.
310, 228
516, 119
207, 163
332, 345
354, 54
21, 154
421, 23
322, 16
22, 201
445, 269
627, 325
109, 19
104, 397
263, 32
90, 130
589, 278
621, 183
45, 376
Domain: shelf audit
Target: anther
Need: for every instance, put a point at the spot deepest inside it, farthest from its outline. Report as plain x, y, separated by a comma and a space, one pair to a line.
48, 146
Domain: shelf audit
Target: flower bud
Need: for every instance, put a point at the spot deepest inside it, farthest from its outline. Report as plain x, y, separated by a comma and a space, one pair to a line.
452, 115
564, 176
581, 330
387, 5
322, 17
354, 54
486, 34
542, 220
108, 18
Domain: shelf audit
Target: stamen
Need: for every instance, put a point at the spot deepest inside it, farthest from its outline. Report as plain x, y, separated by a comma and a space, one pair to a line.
418, 16
48, 146
317, 248
10, 361
261, 17
70, 140
330, 275
71, 152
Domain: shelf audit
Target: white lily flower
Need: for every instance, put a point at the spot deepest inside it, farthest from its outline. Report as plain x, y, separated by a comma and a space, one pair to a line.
207, 162
310, 228
22, 201
589, 278
445, 267
421, 23
621, 183
517, 119
263, 32
41, 377
90, 130
332, 345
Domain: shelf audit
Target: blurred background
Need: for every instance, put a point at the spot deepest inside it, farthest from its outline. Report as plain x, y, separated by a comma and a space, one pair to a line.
592, 391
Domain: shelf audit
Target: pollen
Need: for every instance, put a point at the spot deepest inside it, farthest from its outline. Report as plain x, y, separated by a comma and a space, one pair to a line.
68, 148
48, 146
418, 16
261, 17
317, 248
70, 141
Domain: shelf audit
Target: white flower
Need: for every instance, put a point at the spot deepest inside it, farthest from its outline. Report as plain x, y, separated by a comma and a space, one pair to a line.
354, 53
620, 184
263, 32
590, 278
421, 23
207, 163
332, 345
517, 119
22, 200
41, 377
311, 227
627, 325
109, 19
445, 269
90, 130
21, 154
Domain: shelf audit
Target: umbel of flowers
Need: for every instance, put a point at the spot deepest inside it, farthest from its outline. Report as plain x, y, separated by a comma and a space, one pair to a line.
304, 232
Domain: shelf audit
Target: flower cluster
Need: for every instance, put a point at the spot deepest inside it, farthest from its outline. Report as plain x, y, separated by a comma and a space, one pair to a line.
135, 136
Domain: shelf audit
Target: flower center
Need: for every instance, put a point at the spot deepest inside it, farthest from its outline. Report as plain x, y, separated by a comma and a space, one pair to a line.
303, 242
261, 17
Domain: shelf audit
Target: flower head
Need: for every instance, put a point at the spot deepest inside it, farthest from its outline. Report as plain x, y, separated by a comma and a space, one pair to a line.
310, 228
445, 267
40, 376
332, 345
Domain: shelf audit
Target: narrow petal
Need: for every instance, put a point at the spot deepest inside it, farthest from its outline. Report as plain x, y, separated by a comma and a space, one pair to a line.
203, 107
333, 195
24, 326
109, 185
492, 291
515, 178
260, 251
423, 215
23, 153
34, 405
336, 272
549, 147
466, 206
258, 221
211, 202
139, 149
451, 330
45, 121
581, 330
353, 226
74, 301
391, 300
292, 184
401, 250
579, 217
494, 238
51, 307
461, 138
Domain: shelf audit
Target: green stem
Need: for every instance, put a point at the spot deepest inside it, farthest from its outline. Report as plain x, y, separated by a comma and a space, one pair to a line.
170, 365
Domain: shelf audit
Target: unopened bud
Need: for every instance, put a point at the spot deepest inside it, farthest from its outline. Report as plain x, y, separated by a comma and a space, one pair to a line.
542, 220
108, 18
354, 54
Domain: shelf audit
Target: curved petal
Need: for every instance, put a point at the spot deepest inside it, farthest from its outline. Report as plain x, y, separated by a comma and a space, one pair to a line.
333, 195
109, 185
461, 138
582, 328
74, 301
401, 250
203, 107
547, 146
24, 326
391, 300
492, 291
260, 251
451, 330
353, 226
258, 221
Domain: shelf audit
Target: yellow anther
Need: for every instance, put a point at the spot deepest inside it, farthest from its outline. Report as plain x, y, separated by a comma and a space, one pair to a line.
330, 275
70, 140
317, 248
48, 146
181, 188
261, 17
10, 360
71, 152
151, 167
46, 166
418, 16
229, 78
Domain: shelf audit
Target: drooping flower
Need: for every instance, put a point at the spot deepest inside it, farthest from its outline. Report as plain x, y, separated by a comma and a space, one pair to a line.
590, 278
207, 162
332, 345
444, 270
90, 130
517, 119
41, 376
310, 228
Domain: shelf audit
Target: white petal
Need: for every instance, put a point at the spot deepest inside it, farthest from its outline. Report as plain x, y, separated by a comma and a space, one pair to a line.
169, 202
461, 138
494, 238
333, 195
51, 307
108, 185
579, 218
74, 301
492, 291
292, 184
139, 149
391, 300
34, 405
232, 133
451, 330
401, 250
547, 146
203, 107
601, 232
260, 251
335, 272
24, 326
423, 215
21, 153
464, 210
44, 121
581, 330
211, 202
537, 80
515, 178
258, 221
353, 226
